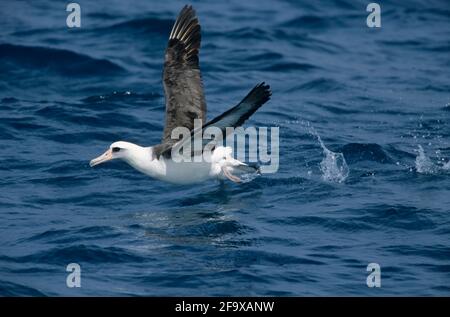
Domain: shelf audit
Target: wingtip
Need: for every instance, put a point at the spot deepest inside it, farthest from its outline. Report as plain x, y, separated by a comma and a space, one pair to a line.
187, 31
259, 95
188, 7
265, 90
187, 10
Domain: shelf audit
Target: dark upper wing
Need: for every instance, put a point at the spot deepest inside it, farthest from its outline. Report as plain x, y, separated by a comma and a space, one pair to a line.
234, 117
237, 115
183, 86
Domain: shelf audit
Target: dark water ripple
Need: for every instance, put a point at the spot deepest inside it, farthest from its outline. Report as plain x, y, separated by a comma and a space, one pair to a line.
62, 62
379, 97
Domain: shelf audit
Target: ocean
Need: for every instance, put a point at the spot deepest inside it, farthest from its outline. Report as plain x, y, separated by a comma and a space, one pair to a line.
364, 173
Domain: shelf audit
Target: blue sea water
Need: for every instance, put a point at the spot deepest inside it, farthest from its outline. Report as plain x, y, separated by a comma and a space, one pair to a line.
364, 150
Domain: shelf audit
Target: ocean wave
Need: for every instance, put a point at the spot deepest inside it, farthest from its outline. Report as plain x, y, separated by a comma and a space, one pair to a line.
368, 218
434, 251
60, 61
397, 216
67, 236
121, 96
248, 33
310, 22
288, 67
147, 25
356, 152
8, 289
327, 223
81, 253
319, 85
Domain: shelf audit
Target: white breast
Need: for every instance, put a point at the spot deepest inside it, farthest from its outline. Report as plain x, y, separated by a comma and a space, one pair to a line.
185, 172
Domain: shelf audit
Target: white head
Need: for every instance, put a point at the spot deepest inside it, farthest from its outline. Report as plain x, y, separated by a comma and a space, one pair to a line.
119, 150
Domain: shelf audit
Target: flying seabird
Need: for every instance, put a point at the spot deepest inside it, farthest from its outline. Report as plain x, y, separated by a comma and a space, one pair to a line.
185, 102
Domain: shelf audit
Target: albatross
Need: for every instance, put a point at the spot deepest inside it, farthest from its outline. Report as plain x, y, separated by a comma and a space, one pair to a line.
185, 102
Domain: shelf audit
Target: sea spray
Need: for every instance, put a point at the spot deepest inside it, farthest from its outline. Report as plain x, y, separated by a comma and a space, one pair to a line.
424, 165
446, 166
333, 166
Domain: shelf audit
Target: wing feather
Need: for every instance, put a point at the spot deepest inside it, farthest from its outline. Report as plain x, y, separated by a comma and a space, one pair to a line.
233, 117
183, 87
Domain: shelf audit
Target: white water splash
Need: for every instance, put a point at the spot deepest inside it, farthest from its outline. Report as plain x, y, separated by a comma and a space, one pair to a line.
248, 177
446, 166
424, 165
334, 168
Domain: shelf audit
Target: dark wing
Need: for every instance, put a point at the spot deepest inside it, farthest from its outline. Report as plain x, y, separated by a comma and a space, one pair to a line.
183, 86
237, 115
234, 117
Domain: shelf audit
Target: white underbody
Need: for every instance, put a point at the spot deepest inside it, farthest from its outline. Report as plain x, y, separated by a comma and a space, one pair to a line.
187, 172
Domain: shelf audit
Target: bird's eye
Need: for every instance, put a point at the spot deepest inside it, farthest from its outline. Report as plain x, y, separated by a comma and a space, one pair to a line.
116, 149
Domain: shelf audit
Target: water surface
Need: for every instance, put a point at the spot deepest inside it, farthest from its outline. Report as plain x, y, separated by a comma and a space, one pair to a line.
364, 151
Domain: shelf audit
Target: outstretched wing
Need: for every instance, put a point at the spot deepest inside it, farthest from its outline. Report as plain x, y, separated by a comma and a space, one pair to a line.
237, 115
183, 86
234, 117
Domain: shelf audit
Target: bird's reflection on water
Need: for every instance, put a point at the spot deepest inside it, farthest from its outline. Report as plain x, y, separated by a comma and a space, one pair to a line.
206, 218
